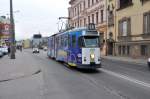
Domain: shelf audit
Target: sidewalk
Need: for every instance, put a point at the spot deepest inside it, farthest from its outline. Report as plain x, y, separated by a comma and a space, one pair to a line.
15, 68
18, 79
126, 59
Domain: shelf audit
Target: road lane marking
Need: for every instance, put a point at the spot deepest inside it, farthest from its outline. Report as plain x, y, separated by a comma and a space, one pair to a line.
133, 80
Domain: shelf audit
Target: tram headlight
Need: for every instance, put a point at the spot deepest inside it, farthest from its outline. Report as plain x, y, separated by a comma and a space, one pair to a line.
92, 56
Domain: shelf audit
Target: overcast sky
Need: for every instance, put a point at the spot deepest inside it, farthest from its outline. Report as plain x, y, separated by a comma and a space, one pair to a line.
36, 16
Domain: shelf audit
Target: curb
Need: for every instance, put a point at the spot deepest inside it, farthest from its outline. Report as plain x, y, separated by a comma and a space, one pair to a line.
131, 62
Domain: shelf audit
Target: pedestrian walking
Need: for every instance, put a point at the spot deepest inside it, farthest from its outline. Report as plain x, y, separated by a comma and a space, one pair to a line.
8, 50
20, 48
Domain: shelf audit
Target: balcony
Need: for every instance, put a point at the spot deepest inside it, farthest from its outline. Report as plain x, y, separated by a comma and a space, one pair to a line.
124, 4
143, 1
110, 19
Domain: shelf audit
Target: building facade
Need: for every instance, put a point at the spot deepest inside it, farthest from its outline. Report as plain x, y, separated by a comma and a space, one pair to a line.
4, 30
111, 26
83, 12
26, 43
132, 28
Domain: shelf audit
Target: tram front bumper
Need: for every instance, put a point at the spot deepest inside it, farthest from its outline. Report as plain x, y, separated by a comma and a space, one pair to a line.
90, 66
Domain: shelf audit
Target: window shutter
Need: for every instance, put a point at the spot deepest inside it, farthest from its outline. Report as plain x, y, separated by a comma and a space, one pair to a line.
144, 22
119, 28
118, 4
148, 23
129, 26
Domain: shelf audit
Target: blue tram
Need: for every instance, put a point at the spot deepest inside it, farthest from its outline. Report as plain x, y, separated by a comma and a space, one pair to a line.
77, 47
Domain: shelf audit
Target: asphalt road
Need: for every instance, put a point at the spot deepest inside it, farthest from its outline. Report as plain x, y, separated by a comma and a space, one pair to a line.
116, 80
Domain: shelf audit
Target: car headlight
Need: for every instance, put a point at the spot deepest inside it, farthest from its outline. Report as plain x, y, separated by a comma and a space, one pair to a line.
148, 59
92, 56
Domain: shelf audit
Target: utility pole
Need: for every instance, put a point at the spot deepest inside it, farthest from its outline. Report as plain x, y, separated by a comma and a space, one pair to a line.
12, 31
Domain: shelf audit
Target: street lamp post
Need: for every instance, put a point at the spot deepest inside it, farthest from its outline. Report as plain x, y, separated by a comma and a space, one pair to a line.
12, 31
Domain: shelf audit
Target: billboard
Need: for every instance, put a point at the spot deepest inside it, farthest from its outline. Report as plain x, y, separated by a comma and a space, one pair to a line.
5, 31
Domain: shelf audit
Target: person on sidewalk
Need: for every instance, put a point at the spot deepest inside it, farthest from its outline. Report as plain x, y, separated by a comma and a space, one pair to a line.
8, 50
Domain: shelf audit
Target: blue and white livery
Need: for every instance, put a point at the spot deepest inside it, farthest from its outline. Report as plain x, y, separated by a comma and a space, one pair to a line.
79, 47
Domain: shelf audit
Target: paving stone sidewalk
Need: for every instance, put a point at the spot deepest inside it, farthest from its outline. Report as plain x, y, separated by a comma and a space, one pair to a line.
22, 66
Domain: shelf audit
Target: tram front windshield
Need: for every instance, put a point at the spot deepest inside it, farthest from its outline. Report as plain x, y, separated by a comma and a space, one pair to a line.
90, 41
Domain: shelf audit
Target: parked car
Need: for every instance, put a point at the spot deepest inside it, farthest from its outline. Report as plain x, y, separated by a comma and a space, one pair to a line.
1, 53
35, 50
5, 50
45, 48
148, 62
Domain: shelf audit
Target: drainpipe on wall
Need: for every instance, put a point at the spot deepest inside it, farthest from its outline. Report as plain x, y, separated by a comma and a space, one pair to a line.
106, 29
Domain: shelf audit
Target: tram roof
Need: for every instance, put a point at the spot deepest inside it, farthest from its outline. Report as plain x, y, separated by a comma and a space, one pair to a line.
75, 29
82, 28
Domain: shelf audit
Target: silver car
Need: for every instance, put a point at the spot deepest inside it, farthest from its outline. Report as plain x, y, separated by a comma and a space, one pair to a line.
5, 50
148, 62
1, 53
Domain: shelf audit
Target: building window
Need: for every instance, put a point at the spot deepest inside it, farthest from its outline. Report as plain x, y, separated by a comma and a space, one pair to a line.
80, 23
73, 41
102, 16
146, 23
128, 50
88, 19
119, 50
143, 1
110, 18
75, 11
124, 3
92, 18
144, 50
92, 2
102, 41
123, 50
75, 24
124, 27
84, 4
84, 21
80, 7
97, 17
88, 3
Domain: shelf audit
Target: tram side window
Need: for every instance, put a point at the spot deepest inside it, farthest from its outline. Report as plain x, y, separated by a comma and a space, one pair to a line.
59, 42
73, 41
51, 42
69, 41
65, 41
62, 42
56, 41
80, 42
